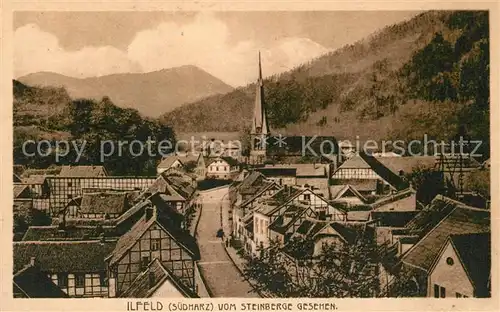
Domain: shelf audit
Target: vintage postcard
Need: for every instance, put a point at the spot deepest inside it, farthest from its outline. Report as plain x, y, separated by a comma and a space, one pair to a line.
311, 154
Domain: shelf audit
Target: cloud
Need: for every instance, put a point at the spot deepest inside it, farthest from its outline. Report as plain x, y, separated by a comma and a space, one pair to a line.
204, 42
36, 50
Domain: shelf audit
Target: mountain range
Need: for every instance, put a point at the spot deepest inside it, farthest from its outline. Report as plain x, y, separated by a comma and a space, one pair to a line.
152, 94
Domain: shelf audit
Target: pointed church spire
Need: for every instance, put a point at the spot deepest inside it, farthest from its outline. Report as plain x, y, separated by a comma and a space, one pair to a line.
259, 124
260, 69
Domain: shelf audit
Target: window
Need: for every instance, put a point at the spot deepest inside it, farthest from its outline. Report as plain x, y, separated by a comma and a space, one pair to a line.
70, 196
80, 280
261, 226
155, 244
322, 215
144, 262
70, 184
439, 292
62, 280
307, 197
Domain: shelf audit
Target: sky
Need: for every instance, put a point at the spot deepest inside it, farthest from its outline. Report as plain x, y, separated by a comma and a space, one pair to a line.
224, 44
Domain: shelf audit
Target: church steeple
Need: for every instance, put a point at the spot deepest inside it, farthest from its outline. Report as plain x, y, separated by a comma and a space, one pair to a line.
260, 127
259, 123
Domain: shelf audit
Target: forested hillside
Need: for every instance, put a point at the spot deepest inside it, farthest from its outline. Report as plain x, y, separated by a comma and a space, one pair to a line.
50, 114
428, 75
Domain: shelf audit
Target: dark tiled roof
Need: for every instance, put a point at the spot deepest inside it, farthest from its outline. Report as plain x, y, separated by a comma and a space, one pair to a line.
385, 173
259, 191
78, 232
16, 178
34, 284
230, 160
134, 212
250, 184
461, 220
394, 218
163, 218
19, 189
104, 202
182, 185
432, 214
153, 278
82, 171
305, 226
407, 164
277, 171
63, 256
474, 251
168, 160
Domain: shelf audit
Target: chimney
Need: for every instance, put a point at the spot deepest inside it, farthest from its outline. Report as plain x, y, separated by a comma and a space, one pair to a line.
152, 279
149, 213
32, 261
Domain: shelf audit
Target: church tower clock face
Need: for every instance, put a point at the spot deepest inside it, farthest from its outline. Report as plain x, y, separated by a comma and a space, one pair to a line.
258, 130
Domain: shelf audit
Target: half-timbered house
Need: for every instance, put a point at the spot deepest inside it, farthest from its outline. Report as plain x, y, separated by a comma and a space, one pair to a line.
157, 235
76, 267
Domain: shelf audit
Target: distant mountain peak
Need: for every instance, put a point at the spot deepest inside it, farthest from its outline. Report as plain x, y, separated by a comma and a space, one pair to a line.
151, 93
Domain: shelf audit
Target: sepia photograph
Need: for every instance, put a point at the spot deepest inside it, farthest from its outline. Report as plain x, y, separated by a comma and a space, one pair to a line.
251, 154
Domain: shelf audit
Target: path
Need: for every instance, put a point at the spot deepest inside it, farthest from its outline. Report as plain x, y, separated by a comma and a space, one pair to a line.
221, 276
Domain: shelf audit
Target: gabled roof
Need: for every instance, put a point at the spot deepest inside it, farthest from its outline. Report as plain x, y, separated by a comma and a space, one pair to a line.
474, 251
104, 202
163, 185
361, 185
16, 178
164, 220
63, 256
251, 183
337, 191
264, 187
19, 189
35, 179
229, 160
181, 184
169, 160
408, 163
461, 219
281, 225
153, 278
32, 283
82, 171
383, 172
365, 161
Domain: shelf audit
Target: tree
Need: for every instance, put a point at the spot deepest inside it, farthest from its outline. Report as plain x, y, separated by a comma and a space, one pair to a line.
428, 183
338, 270
479, 181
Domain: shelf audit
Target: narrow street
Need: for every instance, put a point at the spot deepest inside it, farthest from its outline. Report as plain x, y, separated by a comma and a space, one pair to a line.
222, 277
